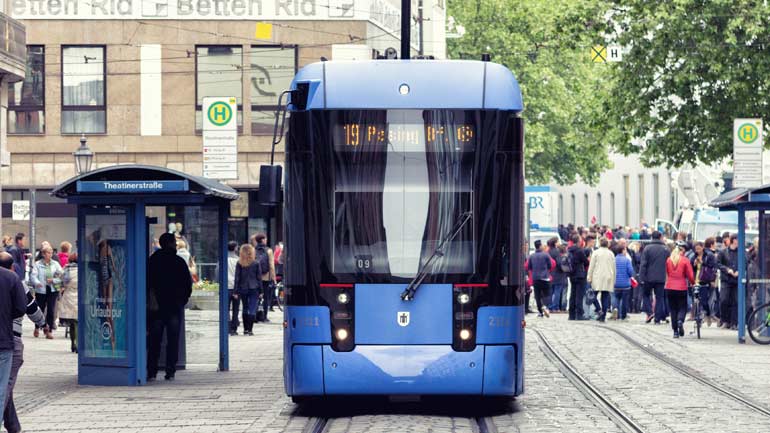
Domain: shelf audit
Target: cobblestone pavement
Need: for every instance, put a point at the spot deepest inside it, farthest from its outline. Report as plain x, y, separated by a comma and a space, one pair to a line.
250, 397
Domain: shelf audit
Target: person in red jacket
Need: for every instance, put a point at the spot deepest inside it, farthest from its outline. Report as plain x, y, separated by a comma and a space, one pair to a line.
679, 276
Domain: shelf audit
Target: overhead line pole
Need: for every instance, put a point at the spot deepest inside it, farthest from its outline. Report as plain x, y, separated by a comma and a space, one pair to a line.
406, 28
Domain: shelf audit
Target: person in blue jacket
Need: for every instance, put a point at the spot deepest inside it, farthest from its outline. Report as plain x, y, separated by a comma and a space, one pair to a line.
624, 271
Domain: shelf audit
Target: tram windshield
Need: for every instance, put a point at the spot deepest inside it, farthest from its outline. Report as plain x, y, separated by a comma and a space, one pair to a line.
402, 180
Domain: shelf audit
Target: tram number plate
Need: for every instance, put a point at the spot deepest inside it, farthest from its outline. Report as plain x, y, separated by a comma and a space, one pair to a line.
308, 321
363, 263
499, 322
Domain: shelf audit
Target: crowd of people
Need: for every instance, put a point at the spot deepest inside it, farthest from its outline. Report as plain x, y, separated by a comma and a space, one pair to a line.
605, 273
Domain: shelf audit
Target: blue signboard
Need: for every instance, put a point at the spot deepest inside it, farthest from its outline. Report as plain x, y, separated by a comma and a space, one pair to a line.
133, 186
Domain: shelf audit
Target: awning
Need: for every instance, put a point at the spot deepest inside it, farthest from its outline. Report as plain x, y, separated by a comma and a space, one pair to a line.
196, 184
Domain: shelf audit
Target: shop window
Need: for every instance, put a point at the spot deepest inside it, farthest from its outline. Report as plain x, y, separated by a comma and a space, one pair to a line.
26, 99
218, 72
84, 90
271, 70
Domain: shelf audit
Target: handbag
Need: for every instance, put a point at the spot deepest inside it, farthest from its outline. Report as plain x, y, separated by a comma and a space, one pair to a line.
634, 283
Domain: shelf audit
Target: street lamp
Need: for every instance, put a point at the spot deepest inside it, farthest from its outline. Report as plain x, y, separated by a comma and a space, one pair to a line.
83, 157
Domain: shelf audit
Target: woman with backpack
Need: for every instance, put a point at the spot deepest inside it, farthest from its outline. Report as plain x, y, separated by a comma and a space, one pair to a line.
559, 274
247, 285
705, 267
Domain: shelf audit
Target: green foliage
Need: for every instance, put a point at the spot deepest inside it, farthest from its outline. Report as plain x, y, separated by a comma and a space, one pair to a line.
546, 45
691, 67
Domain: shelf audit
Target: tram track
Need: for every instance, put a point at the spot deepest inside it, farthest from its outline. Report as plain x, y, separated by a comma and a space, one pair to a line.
315, 425
483, 425
692, 374
325, 425
610, 409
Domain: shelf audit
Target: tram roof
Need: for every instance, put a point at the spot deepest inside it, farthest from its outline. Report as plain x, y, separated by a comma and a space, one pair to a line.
433, 84
134, 172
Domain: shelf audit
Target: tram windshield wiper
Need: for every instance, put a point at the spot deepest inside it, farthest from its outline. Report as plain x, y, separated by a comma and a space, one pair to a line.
411, 289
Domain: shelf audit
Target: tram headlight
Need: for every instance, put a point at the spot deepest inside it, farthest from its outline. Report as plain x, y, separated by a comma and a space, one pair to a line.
342, 334
403, 89
343, 298
463, 298
465, 334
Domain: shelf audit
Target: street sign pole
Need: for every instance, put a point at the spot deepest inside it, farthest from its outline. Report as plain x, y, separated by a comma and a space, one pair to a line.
220, 138
747, 153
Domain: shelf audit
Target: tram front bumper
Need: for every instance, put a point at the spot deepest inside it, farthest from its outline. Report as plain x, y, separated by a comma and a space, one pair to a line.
404, 370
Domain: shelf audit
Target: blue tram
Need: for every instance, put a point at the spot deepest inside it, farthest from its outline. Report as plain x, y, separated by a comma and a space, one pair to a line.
403, 215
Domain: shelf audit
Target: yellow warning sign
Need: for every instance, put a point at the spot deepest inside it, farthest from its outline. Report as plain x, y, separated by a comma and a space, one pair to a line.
599, 54
264, 31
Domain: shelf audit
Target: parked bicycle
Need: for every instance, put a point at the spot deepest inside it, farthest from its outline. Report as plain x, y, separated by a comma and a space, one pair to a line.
759, 324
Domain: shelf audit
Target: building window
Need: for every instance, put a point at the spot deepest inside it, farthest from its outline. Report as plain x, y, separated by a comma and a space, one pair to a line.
218, 72
574, 209
26, 99
627, 199
271, 70
84, 90
599, 207
656, 195
642, 198
612, 209
585, 209
561, 209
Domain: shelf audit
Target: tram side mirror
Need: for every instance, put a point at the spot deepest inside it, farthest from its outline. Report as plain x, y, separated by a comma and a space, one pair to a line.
270, 184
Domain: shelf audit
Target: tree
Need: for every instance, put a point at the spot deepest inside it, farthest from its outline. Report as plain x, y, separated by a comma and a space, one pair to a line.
546, 45
690, 67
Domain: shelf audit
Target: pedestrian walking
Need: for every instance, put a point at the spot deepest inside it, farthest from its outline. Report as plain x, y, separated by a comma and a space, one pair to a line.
601, 276
541, 264
652, 272
679, 275
247, 285
267, 264
728, 265
232, 262
64, 253
46, 278
624, 272
68, 300
577, 276
10, 417
169, 289
633, 251
12, 306
7, 243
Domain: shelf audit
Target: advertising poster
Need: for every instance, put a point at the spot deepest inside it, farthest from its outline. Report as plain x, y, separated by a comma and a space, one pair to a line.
106, 280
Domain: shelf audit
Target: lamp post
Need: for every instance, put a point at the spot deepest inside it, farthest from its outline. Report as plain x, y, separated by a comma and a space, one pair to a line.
84, 157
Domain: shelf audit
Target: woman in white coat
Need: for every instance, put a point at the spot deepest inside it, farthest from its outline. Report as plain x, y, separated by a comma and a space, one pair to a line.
46, 277
601, 275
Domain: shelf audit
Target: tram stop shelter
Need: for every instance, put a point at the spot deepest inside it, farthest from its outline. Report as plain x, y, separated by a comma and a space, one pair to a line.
753, 207
121, 211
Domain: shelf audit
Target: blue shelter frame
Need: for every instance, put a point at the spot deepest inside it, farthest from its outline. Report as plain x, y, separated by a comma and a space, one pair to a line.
747, 200
115, 200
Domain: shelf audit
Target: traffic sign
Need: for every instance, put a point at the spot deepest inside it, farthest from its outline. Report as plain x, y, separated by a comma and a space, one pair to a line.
747, 153
599, 54
614, 53
220, 138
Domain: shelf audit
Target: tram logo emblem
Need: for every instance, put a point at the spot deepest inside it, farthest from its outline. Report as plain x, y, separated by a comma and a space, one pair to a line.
402, 317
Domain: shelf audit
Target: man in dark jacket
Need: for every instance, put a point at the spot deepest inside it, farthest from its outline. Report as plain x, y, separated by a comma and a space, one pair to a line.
541, 264
728, 267
17, 254
652, 274
12, 305
169, 289
577, 278
10, 417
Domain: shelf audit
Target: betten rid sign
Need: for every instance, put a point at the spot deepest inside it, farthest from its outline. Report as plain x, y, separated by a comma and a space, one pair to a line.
187, 9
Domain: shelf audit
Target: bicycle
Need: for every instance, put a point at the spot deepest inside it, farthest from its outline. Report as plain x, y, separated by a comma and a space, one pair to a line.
697, 310
280, 298
759, 324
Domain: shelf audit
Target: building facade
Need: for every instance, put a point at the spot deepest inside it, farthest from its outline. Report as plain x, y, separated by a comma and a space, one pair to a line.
132, 74
627, 194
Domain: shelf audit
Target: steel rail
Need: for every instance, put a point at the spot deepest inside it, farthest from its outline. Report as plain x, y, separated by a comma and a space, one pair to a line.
691, 373
617, 415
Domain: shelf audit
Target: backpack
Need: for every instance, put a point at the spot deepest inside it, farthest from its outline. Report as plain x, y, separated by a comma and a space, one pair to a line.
263, 259
565, 264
